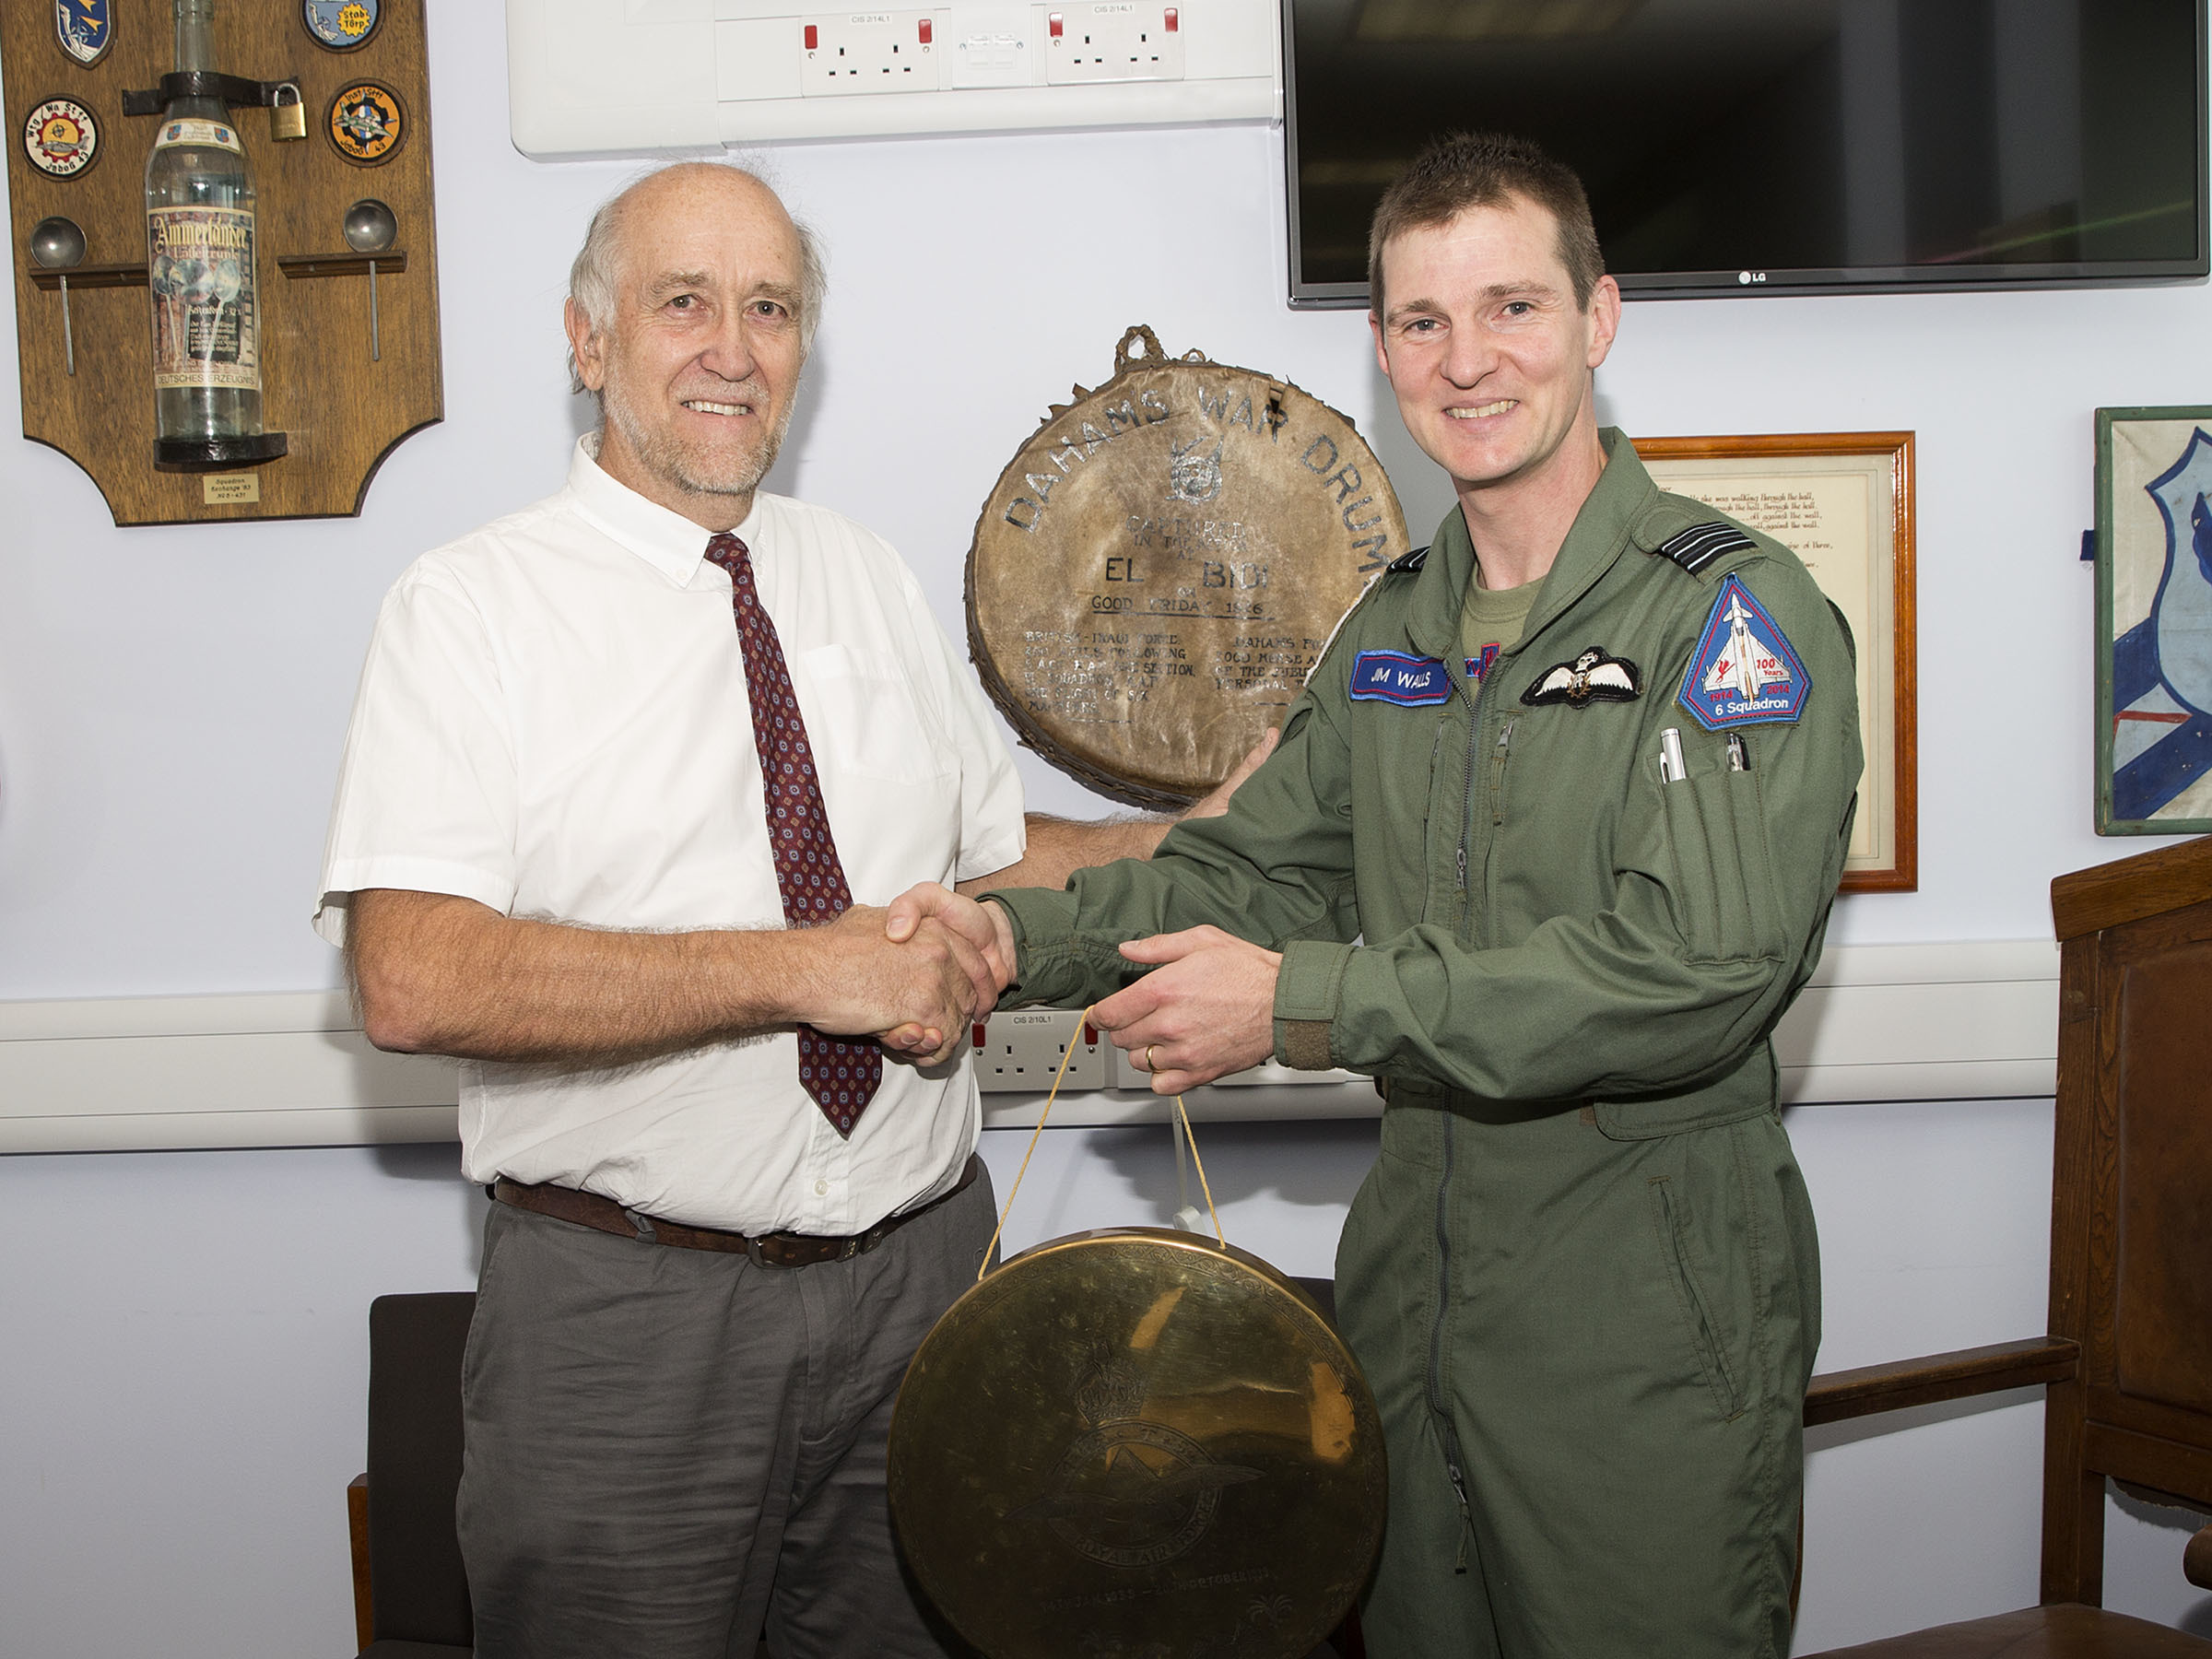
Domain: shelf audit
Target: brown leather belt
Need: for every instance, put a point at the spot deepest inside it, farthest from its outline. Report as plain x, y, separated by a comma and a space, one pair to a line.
767, 1250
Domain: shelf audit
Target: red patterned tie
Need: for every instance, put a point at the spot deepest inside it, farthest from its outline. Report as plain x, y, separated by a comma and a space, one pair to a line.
841, 1075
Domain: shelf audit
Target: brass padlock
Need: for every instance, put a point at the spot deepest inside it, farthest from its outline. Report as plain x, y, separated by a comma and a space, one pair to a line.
288, 120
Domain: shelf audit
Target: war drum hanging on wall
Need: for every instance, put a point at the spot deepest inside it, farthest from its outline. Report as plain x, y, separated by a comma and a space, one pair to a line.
1159, 566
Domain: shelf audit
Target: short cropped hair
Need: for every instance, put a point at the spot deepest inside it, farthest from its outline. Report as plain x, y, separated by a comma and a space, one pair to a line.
591, 273
1461, 170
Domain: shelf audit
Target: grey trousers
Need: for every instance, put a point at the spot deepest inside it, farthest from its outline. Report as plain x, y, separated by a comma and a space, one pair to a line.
664, 1447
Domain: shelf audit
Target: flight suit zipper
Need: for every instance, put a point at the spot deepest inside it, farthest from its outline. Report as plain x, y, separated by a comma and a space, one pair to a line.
1438, 1404
1466, 797
1497, 754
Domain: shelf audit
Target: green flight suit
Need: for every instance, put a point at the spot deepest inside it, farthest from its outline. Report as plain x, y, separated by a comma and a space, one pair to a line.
1582, 1276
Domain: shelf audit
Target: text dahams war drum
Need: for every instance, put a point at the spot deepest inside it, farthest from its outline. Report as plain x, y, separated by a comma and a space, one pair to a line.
1157, 569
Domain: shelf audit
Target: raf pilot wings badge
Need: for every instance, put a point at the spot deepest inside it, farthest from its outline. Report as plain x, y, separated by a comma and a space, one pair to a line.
1595, 676
1745, 671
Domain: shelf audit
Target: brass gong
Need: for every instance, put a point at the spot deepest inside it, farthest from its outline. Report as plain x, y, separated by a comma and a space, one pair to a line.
1136, 1441
1157, 569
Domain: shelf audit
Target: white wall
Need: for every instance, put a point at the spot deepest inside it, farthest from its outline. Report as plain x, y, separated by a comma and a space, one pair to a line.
182, 1354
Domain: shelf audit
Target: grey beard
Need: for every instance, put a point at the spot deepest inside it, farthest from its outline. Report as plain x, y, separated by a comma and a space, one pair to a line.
670, 461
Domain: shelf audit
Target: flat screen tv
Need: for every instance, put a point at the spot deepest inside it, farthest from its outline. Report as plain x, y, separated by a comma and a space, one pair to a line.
1734, 146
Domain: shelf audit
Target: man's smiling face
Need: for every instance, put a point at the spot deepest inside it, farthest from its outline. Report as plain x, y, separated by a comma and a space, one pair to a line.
1484, 344
698, 366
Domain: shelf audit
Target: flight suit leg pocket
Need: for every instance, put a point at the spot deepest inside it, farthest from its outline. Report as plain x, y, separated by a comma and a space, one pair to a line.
1725, 899
1701, 1317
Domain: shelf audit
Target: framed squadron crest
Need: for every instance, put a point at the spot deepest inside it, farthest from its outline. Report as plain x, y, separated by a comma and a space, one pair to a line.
2154, 621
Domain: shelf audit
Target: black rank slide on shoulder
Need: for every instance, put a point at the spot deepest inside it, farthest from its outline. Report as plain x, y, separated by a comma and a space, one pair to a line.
1597, 676
1410, 561
1699, 546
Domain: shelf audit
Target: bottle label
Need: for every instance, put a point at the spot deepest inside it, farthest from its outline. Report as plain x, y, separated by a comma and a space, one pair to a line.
207, 331
175, 133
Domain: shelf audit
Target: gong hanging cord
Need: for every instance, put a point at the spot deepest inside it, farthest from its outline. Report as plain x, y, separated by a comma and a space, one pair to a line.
1182, 1112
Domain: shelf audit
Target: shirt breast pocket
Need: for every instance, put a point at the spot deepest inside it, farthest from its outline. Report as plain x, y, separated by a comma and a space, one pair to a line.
889, 778
866, 720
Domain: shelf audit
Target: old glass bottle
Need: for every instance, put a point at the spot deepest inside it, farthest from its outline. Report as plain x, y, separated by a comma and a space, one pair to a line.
200, 270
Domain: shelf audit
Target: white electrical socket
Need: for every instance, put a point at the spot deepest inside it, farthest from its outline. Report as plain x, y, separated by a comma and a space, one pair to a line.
1022, 1051
1113, 40
847, 53
1122, 1072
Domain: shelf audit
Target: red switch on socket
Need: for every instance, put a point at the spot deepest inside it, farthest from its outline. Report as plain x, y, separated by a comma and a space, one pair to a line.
1055, 25
814, 37
977, 1035
1091, 1034
1172, 22
926, 26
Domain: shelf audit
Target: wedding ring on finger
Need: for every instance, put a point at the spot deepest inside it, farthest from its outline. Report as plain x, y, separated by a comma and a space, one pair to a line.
1148, 1048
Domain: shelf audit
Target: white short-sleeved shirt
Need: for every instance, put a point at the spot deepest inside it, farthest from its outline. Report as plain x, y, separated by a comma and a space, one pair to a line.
553, 722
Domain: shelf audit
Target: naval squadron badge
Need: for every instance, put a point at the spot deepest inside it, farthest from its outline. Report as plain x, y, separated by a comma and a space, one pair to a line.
341, 25
84, 28
1745, 671
60, 139
367, 123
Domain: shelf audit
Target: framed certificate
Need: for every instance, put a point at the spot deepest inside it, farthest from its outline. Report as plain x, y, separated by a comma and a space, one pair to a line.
2154, 621
1842, 502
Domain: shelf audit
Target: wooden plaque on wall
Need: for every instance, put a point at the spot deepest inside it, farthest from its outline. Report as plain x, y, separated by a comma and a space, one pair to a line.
341, 410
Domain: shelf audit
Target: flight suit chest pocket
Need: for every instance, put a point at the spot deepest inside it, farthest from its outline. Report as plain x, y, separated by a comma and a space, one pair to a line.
1723, 897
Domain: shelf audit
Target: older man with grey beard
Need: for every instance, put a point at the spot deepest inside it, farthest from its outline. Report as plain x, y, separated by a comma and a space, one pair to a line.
628, 772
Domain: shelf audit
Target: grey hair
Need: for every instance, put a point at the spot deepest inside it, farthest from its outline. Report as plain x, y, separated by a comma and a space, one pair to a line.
591, 273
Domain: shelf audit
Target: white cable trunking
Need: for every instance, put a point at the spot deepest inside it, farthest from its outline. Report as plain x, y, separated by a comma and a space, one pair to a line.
592, 77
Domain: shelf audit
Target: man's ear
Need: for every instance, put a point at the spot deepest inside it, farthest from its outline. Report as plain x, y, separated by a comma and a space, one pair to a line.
1604, 317
585, 346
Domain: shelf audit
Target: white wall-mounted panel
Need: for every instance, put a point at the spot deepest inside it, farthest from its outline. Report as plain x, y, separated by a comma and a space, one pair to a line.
587, 78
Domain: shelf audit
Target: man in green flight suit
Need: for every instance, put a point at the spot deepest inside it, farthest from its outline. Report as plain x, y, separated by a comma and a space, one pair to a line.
1546, 848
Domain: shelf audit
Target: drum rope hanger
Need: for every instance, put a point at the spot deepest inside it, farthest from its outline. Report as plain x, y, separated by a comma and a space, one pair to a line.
1185, 1138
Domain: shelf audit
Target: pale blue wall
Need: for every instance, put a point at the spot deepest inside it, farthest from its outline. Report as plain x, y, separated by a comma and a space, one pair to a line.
183, 1335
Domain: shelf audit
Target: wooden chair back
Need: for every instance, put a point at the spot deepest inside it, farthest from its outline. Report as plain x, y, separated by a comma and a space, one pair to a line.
2131, 1210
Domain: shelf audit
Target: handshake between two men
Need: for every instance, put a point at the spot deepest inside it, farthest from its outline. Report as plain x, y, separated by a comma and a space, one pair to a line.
916, 975
1207, 1009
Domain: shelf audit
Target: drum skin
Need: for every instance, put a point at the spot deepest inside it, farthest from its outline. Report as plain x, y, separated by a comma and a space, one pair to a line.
1159, 566
1138, 1442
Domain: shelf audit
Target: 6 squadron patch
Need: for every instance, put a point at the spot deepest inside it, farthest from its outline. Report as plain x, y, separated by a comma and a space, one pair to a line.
1597, 676
1396, 676
86, 29
1744, 671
